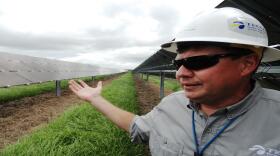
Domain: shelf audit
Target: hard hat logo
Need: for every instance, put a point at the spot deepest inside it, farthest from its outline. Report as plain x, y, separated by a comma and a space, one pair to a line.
238, 24
247, 27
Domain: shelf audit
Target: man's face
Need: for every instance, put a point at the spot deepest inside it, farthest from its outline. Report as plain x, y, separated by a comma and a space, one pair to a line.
213, 83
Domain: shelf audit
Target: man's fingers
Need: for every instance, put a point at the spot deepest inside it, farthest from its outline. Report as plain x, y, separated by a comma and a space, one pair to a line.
75, 85
73, 89
83, 83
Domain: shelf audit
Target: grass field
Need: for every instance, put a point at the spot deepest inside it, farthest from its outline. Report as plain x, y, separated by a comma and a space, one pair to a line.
82, 131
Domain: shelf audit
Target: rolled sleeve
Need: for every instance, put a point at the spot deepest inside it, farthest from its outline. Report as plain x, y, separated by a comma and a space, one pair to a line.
141, 128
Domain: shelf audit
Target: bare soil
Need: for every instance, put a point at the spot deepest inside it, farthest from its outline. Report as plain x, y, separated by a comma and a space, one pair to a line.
21, 117
147, 94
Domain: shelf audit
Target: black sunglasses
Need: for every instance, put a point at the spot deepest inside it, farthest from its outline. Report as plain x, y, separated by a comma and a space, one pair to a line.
203, 61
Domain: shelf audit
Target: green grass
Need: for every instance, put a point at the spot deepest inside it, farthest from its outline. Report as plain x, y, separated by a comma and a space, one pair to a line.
82, 131
17, 92
171, 84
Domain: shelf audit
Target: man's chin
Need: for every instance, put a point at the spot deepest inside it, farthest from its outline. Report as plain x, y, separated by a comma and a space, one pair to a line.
194, 97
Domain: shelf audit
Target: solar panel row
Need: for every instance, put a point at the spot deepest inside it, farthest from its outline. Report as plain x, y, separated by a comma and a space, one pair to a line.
20, 69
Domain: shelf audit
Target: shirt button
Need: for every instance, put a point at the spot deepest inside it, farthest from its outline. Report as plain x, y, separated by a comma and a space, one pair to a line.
209, 130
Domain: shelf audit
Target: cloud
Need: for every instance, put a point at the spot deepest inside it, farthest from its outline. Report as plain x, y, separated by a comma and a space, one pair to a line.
114, 9
36, 42
120, 33
125, 58
167, 18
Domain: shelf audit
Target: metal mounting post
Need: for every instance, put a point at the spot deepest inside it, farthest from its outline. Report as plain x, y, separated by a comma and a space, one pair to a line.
58, 87
147, 76
161, 91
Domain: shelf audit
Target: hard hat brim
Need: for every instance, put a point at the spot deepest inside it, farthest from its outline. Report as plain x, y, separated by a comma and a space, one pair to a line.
270, 54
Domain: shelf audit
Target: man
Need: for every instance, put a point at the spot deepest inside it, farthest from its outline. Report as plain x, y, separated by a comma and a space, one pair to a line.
221, 110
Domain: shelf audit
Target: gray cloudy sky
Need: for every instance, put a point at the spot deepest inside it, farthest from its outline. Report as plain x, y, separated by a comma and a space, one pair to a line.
110, 33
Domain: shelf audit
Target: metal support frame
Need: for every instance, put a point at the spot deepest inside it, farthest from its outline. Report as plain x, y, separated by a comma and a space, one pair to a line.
58, 87
147, 76
161, 92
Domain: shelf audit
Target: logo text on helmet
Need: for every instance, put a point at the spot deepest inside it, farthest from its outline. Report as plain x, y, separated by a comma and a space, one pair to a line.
246, 27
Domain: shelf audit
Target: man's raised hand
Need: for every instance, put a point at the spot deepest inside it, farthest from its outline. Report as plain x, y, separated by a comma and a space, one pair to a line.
84, 91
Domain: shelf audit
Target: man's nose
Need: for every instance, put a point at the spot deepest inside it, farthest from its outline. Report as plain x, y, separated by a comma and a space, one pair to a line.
184, 72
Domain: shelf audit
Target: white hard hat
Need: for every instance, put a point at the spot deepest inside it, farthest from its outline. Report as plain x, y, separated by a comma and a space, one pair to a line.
226, 25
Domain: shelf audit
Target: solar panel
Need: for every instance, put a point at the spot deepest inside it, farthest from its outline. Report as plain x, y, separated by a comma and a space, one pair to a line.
11, 79
20, 69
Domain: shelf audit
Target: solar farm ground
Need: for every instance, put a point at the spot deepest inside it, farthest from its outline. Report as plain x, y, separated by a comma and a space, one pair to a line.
21, 117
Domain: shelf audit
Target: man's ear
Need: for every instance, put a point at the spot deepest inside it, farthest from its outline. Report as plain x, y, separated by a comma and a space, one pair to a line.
249, 64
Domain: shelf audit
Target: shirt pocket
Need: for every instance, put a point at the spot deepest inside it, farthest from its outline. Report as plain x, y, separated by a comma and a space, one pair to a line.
161, 146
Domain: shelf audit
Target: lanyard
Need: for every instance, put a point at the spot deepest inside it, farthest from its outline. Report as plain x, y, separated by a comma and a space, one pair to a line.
199, 152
